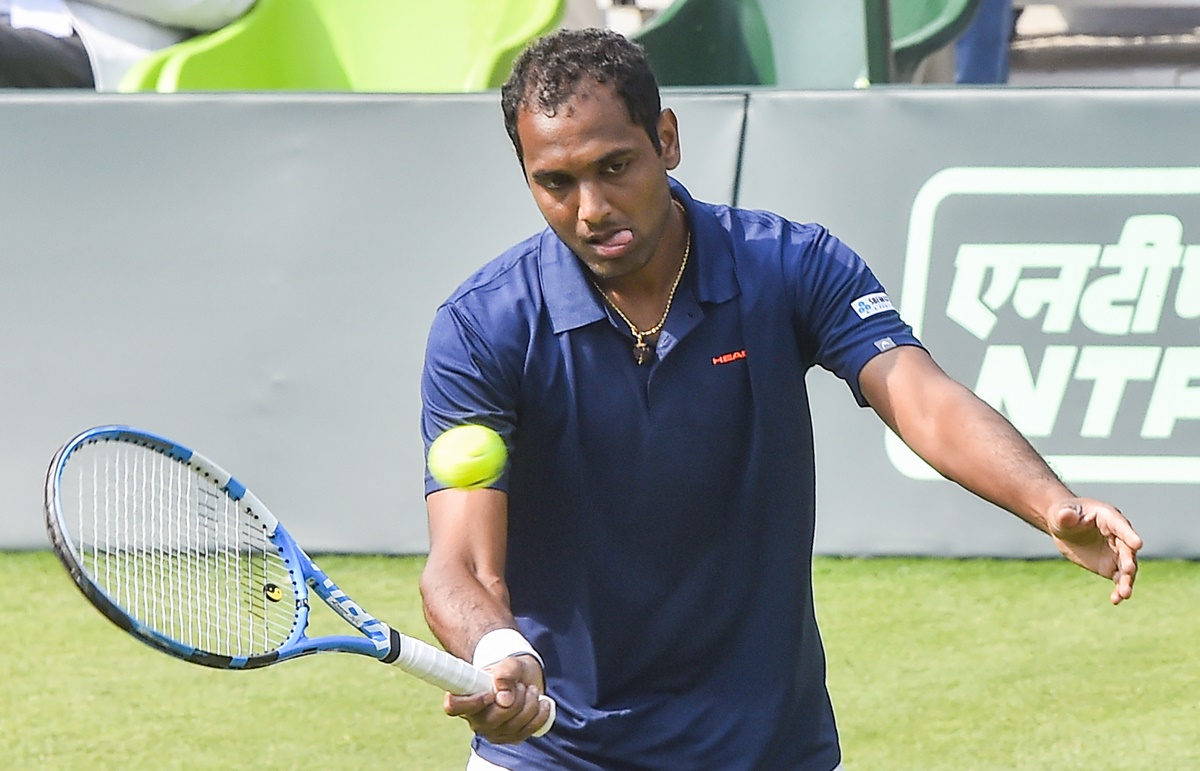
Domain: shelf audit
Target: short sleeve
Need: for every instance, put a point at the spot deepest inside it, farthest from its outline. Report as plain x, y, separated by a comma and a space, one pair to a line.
842, 313
463, 381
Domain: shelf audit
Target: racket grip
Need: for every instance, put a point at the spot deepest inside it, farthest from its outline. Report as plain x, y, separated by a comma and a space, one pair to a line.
449, 672
437, 667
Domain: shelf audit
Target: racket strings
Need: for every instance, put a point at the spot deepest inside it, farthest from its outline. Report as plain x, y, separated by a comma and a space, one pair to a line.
178, 554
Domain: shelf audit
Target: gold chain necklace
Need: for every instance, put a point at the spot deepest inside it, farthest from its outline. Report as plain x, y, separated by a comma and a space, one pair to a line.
640, 349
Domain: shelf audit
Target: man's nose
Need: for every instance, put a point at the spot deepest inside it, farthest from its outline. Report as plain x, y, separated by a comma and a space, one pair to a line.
593, 204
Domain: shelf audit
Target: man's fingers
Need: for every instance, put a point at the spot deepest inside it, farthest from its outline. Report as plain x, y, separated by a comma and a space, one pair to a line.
1124, 570
507, 684
506, 693
518, 722
1118, 526
548, 709
1122, 589
1125, 541
461, 706
1077, 518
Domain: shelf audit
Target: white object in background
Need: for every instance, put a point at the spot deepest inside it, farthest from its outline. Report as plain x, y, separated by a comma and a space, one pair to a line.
582, 14
118, 33
49, 16
625, 19
116, 41
1037, 20
199, 15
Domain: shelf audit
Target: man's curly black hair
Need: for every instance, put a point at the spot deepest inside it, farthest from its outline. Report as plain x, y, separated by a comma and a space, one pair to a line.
549, 72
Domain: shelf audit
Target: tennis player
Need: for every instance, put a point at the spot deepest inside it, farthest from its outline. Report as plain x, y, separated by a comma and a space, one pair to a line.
646, 559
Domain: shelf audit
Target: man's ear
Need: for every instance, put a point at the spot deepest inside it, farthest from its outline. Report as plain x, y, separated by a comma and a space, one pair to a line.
668, 138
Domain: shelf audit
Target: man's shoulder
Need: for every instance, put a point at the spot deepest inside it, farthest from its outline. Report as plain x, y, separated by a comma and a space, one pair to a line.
511, 274
762, 240
759, 226
750, 227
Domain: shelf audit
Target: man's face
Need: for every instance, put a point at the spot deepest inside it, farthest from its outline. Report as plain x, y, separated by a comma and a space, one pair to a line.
598, 180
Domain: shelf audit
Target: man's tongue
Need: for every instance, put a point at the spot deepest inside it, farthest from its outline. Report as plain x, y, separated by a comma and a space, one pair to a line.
615, 241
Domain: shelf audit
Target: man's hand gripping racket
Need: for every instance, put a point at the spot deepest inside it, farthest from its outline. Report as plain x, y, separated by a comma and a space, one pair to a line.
178, 553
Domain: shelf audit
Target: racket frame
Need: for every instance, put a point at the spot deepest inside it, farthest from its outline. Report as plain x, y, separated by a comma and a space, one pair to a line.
378, 641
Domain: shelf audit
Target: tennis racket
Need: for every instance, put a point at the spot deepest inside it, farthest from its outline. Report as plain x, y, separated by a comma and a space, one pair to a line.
174, 550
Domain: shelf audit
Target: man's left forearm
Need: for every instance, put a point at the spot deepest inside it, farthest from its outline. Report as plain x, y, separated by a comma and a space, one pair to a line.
960, 435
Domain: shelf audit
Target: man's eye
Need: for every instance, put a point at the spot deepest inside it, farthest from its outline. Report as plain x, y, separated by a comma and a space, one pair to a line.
617, 167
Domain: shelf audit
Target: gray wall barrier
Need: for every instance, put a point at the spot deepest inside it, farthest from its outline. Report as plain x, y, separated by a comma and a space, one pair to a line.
1043, 244
253, 275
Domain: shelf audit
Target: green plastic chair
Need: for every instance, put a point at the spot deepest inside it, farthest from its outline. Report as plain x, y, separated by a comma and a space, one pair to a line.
710, 43
791, 43
353, 45
921, 28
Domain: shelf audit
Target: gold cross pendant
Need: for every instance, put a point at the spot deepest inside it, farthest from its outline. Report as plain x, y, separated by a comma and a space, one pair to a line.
641, 351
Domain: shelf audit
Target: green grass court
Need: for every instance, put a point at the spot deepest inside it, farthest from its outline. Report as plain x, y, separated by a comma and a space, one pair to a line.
933, 664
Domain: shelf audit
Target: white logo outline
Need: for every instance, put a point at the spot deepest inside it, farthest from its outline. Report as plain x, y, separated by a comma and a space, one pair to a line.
1035, 181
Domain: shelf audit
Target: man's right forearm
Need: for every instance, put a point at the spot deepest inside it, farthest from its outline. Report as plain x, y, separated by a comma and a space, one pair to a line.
463, 586
460, 609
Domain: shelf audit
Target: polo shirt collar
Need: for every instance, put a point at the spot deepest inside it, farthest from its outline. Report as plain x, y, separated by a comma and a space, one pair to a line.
571, 300
716, 281
568, 294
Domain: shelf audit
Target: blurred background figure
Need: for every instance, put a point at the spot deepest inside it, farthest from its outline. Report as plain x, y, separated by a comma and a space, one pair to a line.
92, 43
981, 53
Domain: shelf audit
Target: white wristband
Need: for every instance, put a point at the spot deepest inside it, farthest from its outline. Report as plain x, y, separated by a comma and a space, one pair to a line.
500, 644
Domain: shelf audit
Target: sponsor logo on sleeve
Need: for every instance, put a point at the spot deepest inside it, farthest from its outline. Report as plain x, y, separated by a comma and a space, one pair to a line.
1069, 299
868, 305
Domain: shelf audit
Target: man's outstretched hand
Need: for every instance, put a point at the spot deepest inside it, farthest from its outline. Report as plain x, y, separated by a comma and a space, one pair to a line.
1097, 536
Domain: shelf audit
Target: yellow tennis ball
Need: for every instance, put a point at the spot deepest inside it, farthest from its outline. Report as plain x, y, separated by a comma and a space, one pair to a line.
467, 457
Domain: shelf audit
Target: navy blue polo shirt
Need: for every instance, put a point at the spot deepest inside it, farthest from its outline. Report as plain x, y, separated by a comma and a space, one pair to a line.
661, 516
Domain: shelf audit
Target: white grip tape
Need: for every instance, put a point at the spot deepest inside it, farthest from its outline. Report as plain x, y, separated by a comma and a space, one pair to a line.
439, 668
